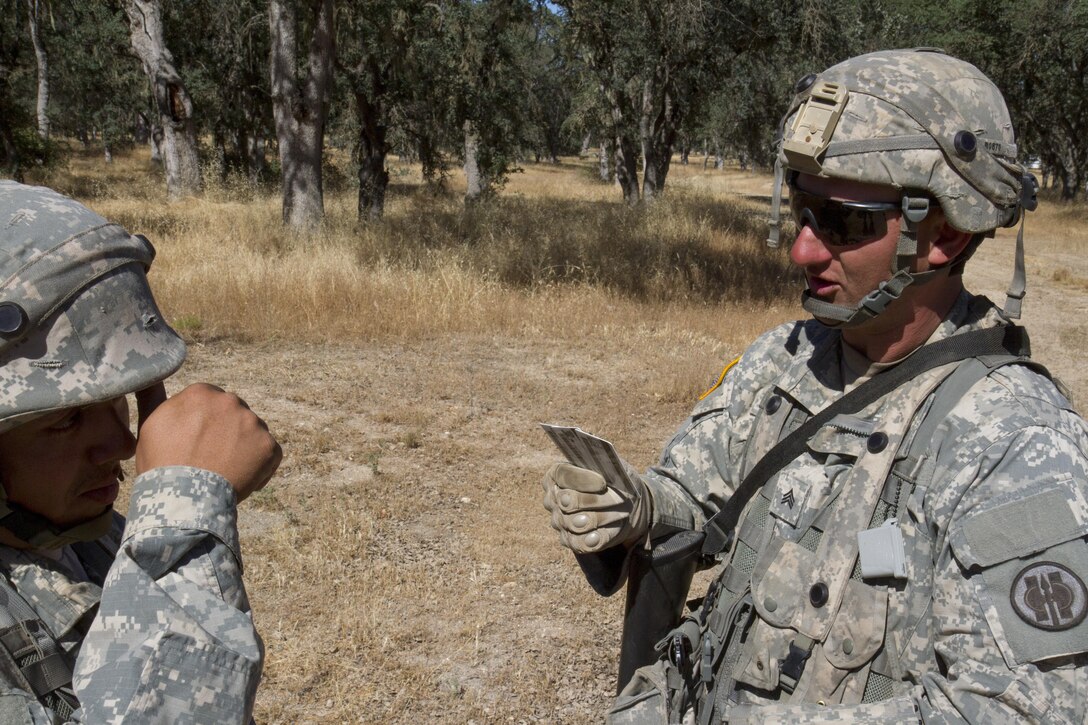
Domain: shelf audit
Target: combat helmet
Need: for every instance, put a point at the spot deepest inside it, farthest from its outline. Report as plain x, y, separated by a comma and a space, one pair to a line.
923, 122
78, 324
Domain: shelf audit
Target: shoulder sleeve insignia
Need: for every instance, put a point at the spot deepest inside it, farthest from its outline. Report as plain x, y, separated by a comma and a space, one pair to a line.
721, 378
1049, 596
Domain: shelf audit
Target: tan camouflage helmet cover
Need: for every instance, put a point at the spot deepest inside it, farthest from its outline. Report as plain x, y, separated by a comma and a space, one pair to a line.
933, 126
920, 120
78, 323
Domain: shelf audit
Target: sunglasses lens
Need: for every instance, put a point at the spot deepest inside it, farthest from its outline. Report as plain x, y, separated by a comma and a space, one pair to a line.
838, 224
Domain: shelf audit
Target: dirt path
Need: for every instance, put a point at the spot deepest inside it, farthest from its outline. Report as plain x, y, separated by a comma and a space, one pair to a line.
401, 567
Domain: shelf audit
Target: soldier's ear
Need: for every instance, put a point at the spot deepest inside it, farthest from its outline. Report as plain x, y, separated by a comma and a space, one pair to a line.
948, 243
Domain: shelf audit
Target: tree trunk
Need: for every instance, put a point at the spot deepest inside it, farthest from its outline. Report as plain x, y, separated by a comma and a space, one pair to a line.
432, 163
1069, 189
143, 128
627, 169
624, 149
587, 143
256, 161
373, 177
475, 184
658, 124
219, 155
250, 143
156, 145
11, 152
172, 102
33, 7
301, 107
652, 181
604, 162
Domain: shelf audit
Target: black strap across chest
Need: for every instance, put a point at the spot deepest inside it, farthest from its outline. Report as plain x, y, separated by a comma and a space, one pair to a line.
1002, 340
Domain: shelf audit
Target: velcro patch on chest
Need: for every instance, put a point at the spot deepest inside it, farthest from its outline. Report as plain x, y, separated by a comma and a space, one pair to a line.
789, 497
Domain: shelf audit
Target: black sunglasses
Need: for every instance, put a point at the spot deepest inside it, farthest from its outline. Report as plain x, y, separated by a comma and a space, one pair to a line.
841, 223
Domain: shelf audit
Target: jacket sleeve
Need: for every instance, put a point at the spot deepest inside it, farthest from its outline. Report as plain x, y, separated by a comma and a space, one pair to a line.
703, 463
173, 640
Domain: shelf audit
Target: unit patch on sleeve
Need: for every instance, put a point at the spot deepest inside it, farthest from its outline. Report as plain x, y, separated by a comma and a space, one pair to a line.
1049, 596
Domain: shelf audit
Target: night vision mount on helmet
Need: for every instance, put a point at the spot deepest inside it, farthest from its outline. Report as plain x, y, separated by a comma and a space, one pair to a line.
930, 125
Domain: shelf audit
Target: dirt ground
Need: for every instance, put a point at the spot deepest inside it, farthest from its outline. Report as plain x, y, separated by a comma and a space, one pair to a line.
401, 567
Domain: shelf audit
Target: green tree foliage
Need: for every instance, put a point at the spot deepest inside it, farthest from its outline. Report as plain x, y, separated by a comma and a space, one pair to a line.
552, 75
392, 56
225, 68
1036, 51
1052, 94
486, 40
16, 87
652, 64
764, 49
490, 83
97, 87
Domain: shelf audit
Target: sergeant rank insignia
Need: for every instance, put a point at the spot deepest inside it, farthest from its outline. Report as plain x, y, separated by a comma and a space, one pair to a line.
1046, 595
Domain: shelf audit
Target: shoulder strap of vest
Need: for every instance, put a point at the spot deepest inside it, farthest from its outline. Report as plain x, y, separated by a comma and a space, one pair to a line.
42, 664
999, 341
916, 466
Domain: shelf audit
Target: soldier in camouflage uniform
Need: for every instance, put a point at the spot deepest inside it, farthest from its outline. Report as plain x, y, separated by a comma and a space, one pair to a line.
922, 558
103, 621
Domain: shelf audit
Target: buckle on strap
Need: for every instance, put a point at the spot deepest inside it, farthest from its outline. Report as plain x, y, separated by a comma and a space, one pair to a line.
915, 208
791, 668
718, 539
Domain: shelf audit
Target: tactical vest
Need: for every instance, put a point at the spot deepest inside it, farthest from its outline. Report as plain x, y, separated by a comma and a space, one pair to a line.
30, 654
796, 615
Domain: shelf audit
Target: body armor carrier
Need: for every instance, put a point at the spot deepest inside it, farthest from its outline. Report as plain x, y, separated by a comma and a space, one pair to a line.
796, 615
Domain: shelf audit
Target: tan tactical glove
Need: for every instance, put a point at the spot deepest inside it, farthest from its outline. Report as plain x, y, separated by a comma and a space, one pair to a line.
589, 514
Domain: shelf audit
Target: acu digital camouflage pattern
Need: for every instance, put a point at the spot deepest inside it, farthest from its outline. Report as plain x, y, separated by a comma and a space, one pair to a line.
93, 330
172, 640
1001, 488
903, 111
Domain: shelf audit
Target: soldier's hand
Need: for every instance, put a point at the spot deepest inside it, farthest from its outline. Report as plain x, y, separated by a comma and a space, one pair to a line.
589, 514
205, 427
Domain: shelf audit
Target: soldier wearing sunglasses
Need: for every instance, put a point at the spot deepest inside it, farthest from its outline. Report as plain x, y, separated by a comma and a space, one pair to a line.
893, 492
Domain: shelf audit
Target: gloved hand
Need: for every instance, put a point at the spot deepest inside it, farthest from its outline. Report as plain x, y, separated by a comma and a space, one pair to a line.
589, 514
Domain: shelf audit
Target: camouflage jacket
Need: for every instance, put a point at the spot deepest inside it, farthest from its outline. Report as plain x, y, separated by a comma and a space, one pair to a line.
168, 635
985, 619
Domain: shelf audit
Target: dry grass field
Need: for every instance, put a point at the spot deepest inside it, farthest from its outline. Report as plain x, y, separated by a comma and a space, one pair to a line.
400, 566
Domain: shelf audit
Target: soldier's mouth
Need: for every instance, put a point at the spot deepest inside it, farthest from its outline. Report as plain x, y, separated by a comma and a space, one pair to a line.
106, 490
820, 286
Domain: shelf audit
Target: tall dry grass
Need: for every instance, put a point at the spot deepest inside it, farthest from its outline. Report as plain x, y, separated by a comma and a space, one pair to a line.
555, 254
557, 251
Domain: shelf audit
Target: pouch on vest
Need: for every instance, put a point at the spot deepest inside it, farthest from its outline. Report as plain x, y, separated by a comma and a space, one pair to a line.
855, 636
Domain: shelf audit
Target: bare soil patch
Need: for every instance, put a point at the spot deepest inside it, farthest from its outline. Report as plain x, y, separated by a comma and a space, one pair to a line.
401, 567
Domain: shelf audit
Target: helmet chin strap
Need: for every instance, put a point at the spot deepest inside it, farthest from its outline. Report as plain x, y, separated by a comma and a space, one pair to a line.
37, 531
915, 209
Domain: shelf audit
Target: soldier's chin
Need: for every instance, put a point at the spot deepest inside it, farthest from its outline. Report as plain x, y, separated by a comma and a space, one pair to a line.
828, 322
